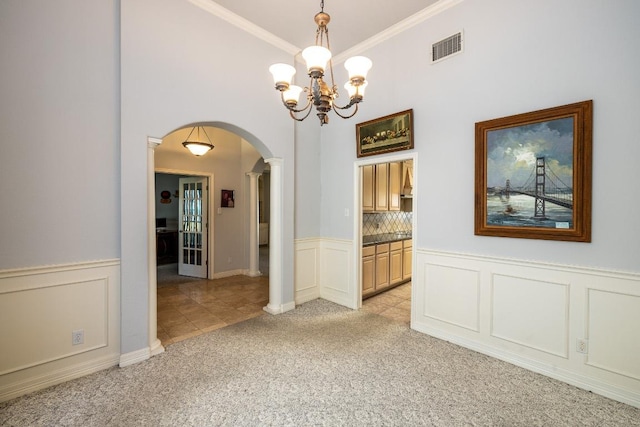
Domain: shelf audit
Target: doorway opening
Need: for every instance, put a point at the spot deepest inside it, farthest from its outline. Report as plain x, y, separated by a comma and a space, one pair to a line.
182, 227
264, 208
386, 230
231, 292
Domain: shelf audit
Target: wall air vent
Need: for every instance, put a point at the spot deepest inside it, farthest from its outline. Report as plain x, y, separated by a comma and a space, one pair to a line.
446, 47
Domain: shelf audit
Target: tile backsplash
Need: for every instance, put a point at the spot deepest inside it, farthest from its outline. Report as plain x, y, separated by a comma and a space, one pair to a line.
386, 222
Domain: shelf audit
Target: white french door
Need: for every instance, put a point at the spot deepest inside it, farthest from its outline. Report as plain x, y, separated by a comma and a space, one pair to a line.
192, 227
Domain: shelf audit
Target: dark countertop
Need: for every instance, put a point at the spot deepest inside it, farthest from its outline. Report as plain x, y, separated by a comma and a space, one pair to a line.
385, 238
160, 230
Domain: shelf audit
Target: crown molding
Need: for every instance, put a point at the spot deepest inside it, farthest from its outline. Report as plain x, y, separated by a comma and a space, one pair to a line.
415, 19
398, 28
248, 26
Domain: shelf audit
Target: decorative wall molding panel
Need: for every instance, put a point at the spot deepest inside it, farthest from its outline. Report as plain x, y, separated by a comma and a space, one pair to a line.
608, 310
81, 306
453, 296
64, 323
578, 325
337, 278
323, 269
306, 270
531, 313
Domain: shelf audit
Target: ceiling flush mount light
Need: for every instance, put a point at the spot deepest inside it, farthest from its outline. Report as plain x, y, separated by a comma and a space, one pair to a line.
319, 93
197, 146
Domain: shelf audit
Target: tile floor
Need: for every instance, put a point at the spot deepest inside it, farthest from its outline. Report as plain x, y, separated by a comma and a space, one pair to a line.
193, 308
394, 304
189, 309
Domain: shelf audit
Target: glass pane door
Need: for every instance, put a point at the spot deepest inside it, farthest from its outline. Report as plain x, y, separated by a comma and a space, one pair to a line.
192, 227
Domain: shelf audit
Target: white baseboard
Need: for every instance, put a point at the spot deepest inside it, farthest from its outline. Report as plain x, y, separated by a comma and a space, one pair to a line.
533, 314
280, 309
307, 295
134, 357
288, 306
34, 383
156, 348
223, 274
586, 383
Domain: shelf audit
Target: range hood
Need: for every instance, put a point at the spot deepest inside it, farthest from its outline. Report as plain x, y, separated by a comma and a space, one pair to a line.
407, 179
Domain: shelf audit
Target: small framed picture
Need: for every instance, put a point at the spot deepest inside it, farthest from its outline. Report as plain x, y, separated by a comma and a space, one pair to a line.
385, 134
227, 200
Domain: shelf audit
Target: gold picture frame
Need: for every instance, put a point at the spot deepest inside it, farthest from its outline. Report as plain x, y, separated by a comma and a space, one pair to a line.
385, 134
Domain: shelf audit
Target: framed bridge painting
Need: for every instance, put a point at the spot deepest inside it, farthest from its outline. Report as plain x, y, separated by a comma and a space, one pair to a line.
533, 174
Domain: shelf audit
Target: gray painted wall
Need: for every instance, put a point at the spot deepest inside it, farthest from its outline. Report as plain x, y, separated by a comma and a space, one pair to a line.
167, 182
518, 57
59, 137
175, 73
86, 83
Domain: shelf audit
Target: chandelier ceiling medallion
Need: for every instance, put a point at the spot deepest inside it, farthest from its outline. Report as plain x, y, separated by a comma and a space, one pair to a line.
319, 93
197, 146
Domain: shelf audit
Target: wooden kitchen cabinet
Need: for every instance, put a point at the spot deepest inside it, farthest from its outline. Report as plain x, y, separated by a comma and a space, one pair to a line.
395, 262
407, 246
385, 265
382, 266
368, 269
382, 187
395, 185
368, 188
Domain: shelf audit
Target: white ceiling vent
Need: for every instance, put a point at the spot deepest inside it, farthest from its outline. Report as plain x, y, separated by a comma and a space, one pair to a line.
446, 47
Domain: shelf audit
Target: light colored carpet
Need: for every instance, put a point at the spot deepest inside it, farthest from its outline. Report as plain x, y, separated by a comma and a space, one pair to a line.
318, 365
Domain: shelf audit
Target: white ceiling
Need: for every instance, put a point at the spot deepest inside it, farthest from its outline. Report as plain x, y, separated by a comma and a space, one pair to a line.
352, 21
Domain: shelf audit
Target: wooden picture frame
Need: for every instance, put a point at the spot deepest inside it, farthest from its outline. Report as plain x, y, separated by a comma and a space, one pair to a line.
385, 134
227, 200
533, 174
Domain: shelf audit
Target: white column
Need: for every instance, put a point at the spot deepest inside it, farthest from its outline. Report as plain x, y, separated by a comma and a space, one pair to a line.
155, 346
254, 257
275, 238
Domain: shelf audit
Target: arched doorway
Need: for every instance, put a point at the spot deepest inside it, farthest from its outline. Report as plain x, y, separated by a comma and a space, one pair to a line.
275, 305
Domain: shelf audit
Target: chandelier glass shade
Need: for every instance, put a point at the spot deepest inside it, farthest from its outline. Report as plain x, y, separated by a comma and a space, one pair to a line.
197, 146
319, 94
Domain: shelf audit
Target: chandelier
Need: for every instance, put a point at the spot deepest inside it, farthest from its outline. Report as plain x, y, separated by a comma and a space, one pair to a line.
197, 146
319, 93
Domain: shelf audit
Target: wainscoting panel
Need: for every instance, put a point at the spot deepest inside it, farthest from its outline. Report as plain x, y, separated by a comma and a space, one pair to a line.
452, 295
39, 310
336, 281
306, 270
614, 332
577, 325
531, 313
81, 306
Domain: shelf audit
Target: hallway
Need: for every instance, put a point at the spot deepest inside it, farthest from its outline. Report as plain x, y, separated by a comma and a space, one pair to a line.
195, 307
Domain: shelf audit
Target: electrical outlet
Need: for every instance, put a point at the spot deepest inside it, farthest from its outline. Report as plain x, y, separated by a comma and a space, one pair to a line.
229, 260
582, 346
77, 337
